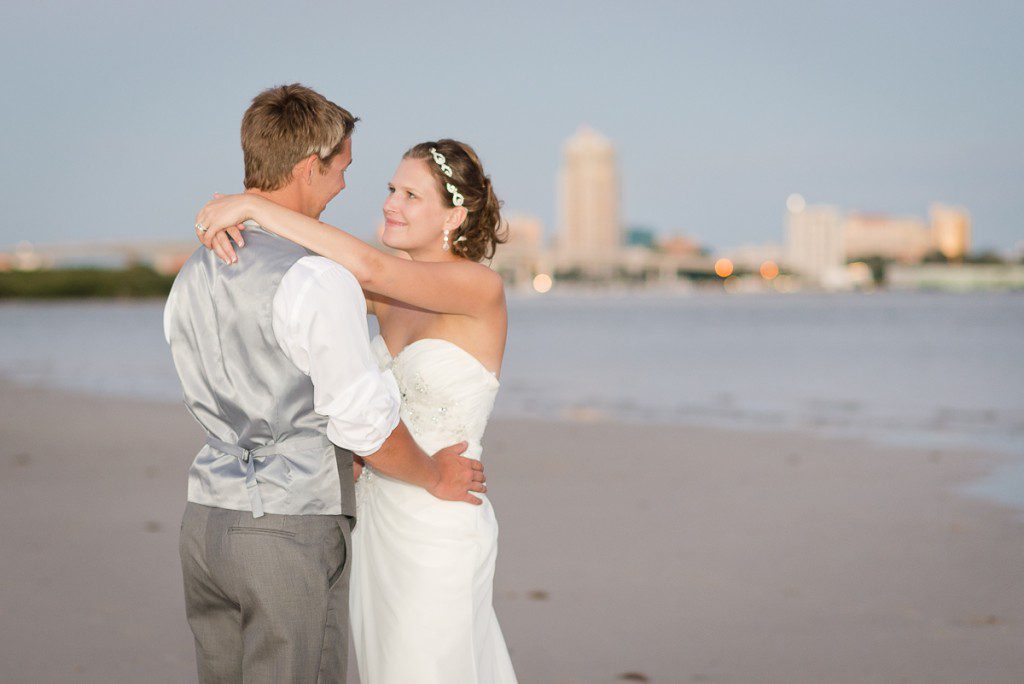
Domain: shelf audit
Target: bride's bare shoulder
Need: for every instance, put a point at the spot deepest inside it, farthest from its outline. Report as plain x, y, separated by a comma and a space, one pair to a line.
484, 277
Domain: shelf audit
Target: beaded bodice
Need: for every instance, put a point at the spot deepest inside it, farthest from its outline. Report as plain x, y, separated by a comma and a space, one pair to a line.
447, 394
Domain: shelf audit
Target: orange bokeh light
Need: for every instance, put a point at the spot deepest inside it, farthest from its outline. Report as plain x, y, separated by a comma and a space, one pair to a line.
769, 270
542, 283
723, 268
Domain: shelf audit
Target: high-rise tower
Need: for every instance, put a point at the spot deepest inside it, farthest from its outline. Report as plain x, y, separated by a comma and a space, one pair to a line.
589, 226
814, 241
951, 230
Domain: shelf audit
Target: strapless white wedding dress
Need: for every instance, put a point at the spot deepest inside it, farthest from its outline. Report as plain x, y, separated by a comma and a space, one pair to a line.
422, 568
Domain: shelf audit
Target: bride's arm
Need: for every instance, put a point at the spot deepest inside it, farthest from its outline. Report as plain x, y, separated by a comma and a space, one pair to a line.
462, 287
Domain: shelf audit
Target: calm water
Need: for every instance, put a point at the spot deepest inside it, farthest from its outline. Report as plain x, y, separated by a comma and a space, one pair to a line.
915, 368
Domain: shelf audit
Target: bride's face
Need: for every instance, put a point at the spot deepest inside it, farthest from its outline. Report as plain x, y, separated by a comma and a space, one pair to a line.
414, 212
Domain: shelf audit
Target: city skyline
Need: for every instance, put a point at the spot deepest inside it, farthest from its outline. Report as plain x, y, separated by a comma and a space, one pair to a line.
590, 230
123, 120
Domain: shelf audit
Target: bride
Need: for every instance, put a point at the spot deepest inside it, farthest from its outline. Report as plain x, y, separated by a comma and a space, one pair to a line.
423, 568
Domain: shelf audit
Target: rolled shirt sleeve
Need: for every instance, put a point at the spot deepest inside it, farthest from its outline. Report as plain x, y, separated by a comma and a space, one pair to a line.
319, 319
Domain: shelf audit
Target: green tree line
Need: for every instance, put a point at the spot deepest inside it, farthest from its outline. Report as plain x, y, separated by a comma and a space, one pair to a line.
84, 283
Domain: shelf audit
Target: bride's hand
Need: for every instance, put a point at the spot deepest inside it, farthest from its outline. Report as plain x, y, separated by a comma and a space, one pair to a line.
222, 217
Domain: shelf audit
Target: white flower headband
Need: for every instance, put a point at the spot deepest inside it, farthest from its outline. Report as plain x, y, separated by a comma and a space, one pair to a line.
457, 198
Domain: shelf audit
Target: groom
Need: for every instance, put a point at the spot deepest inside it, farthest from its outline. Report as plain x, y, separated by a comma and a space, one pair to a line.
275, 363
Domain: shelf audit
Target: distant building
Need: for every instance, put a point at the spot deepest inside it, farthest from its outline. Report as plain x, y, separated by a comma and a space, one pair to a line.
951, 230
164, 256
525, 234
679, 245
814, 243
170, 262
905, 239
590, 230
752, 257
523, 255
640, 237
27, 258
957, 277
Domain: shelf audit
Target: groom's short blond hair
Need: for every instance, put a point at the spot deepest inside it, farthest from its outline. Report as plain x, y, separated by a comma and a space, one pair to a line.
283, 126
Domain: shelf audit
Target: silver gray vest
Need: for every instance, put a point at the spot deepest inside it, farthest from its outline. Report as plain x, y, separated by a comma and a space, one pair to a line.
267, 449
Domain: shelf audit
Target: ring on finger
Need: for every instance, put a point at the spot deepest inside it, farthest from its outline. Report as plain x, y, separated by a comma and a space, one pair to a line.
201, 228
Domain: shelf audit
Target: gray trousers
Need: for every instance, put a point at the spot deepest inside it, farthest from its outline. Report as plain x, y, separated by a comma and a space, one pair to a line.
267, 598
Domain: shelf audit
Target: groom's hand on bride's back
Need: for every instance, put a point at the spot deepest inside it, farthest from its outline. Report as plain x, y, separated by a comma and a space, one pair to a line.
458, 476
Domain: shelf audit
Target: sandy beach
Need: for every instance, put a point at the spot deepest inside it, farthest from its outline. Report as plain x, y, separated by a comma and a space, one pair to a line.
628, 553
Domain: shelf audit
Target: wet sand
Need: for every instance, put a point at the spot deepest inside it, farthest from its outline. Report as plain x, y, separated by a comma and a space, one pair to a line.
628, 553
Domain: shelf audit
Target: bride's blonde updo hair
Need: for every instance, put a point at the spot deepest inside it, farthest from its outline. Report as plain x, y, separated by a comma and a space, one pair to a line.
483, 229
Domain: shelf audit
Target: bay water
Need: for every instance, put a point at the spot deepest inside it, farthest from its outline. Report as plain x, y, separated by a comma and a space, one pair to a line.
914, 368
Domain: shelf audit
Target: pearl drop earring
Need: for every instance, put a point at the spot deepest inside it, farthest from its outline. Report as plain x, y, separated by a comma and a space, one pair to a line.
445, 245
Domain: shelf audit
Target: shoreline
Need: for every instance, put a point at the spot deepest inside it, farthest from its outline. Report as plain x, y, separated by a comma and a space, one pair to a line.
917, 437
1000, 484
607, 294
675, 553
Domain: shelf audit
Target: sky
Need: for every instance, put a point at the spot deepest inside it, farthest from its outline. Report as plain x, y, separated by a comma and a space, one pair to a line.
119, 119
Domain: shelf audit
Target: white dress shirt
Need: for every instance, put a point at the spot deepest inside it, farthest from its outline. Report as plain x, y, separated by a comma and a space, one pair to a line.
319, 320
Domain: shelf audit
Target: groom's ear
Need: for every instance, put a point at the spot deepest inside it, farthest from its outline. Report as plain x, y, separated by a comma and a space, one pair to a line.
303, 171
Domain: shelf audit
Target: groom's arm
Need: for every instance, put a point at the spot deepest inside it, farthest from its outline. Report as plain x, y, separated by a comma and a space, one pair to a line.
320, 322
441, 475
